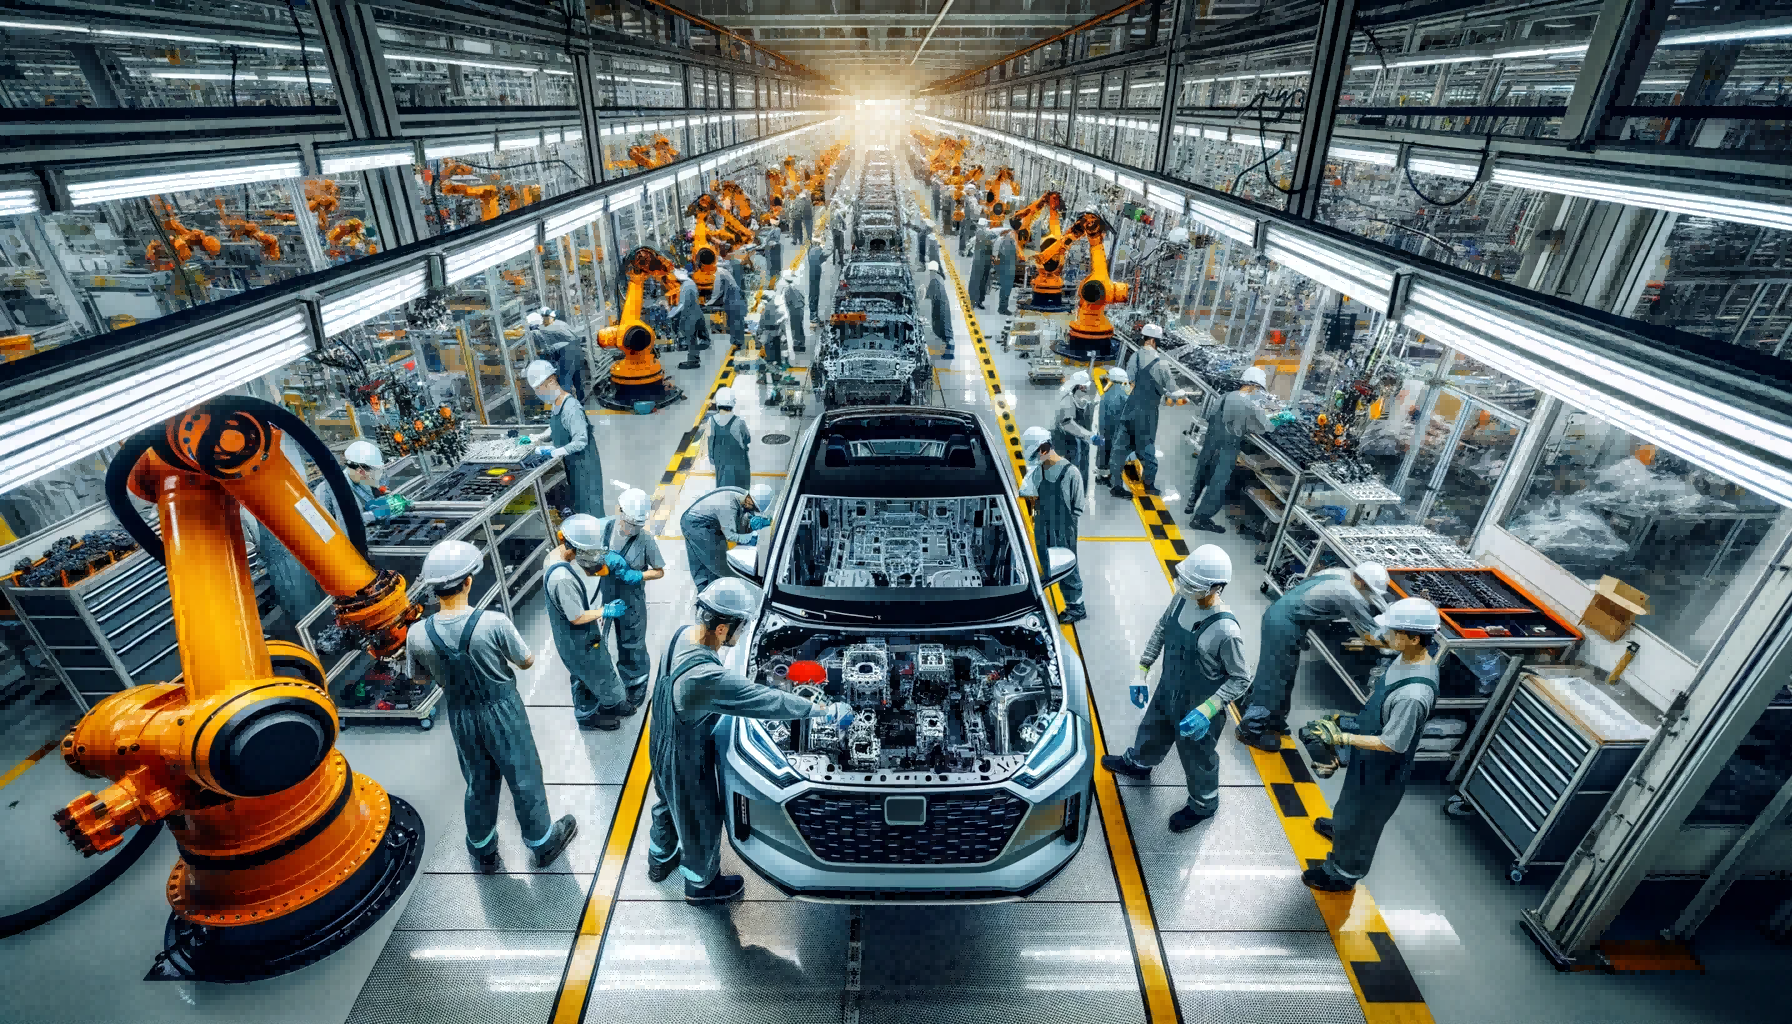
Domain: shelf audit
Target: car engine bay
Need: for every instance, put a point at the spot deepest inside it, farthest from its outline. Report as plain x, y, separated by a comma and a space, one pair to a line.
882, 542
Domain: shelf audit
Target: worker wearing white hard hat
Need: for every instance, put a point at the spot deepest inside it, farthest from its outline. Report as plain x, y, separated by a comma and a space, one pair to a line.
793, 308
1386, 737
688, 320
634, 559
1073, 422
473, 654
1234, 417
572, 439
1353, 595
560, 346
1152, 383
1110, 436
1204, 669
771, 242
726, 515
1054, 487
576, 617
728, 443
694, 693
939, 308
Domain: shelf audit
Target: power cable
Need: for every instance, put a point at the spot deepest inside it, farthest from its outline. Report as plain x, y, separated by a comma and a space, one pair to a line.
304, 58
79, 893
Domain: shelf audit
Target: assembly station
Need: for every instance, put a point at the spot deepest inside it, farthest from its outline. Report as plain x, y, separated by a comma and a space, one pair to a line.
856, 510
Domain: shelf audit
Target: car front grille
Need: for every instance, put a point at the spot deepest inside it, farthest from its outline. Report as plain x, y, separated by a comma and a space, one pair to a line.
961, 828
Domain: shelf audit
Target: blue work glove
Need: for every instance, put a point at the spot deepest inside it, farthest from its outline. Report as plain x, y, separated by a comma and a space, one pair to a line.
748, 541
616, 609
1285, 416
758, 523
838, 714
615, 561
631, 576
1195, 724
381, 508
1095, 441
533, 459
545, 452
1141, 690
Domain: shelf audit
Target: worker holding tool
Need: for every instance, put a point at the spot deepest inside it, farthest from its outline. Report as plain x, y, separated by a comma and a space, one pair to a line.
1054, 488
1152, 384
1385, 735
1204, 670
634, 558
1112, 422
1351, 594
694, 694
1234, 417
598, 700
571, 438
474, 655
728, 443
939, 313
726, 515
556, 343
1074, 421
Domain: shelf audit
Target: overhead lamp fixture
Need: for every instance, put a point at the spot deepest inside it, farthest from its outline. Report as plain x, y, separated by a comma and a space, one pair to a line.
1234, 224
660, 184
1776, 28
1165, 198
449, 58
525, 140
1637, 190
365, 156
140, 34
1105, 174
1443, 167
459, 147
314, 79
86, 422
1335, 268
367, 301
265, 45
1081, 165
42, 26
572, 135
567, 222
1363, 154
624, 200
204, 76
86, 188
20, 194
468, 260
1540, 51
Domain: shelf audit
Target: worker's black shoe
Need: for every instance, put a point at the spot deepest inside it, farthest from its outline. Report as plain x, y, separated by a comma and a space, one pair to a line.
1120, 493
1316, 878
1323, 826
1070, 615
488, 863
723, 889
1188, 507
1206, 526
637, 694
1262, 739
1119, 765
558, 837
607, 723
1187, 818
1101, 476
1153, 491
622, 710
690, 364
658, 872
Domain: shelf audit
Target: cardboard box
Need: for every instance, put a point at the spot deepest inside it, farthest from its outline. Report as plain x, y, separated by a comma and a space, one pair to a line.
1614, 608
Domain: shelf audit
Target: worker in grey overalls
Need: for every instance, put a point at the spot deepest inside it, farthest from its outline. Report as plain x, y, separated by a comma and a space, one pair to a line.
1320, 599
1057, 487
572, 440
1234, 417
1073, 424
728, 443
577, 624
1385, 735
723, 516
473, 655
634, 558
1111, 427
1152, 383
1203, 670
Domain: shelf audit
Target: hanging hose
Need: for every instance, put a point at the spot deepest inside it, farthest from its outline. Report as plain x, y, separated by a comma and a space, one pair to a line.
79, 893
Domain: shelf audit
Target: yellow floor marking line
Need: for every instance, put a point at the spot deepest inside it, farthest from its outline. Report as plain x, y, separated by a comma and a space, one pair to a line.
1378, 973
24, 766
587, 947
1141, 922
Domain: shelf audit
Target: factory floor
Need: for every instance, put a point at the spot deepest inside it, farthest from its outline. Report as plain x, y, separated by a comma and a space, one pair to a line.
1213, 924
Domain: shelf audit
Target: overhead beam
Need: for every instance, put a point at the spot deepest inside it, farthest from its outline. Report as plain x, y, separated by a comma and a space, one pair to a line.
931, 29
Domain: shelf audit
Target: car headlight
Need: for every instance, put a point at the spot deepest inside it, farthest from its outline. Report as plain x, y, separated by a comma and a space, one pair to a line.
757, 748
1055, 747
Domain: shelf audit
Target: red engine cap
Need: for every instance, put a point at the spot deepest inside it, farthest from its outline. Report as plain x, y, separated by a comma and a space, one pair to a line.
807, 673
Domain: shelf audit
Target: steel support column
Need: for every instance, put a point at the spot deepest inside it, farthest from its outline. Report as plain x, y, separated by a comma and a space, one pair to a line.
1624, 38
1331, 62
1166, 114
357, 60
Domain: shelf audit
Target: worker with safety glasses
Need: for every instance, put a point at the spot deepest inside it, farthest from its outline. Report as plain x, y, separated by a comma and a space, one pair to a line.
1385, 741
577, 621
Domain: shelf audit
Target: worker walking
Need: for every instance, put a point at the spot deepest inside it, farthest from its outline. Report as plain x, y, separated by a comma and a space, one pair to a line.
1204, 670
634, 558
1325, 597
964, 224
774, 325
577, 623
1112, 424
1057, 489
726, 296
1007, 262
1073, 423
816, 257
793, 308
687, 318
771, 242
1385, 735
939, 312
723, 516
473, 656
1233, 418
1152, 383
573, 441
727, 443
982, 249
693, 695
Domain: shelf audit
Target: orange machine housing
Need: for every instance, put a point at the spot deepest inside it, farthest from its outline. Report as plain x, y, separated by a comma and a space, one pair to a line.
638, 375
1091, 334
704, 254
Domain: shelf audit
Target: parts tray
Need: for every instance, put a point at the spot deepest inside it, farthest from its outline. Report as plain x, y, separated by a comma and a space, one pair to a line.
1478, 604
472, 481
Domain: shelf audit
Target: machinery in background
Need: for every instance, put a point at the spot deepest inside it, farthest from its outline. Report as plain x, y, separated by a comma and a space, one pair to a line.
286, 854
1090, 336
873, 349
704, 254
405, 419
734, 199
646, 156
179, 242
1048, 275
1050, 204
959, 181
995, 205
638, 377
457, 179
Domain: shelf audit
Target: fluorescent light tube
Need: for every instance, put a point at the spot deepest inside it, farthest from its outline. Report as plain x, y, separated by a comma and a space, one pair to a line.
315, 79
1697, 204
140, 34
366, 158
1233, 224
1540, 51
660, 184
1215, 134
471, 259
1130, 184
1442, 168
1777, 28
444, 58
458, 147
624, 200
17, 202
572, 135
1367, 156
571, 220
87, 193
1159, 196
370, 300
528, 140
41, 26
262, 44
212, 76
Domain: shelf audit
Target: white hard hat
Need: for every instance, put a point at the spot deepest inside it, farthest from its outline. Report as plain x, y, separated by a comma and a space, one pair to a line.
761, 495
729, 598
363, 453
1031, 439
635, 505
724, 398
680, 274
533, 319
1153, 331
1118, 375
1206, 568
1375, 575
788, 277
1410, 615
1254, 375
584, 532
933, 265
1079, 379
449, 561
537, 372
549, 313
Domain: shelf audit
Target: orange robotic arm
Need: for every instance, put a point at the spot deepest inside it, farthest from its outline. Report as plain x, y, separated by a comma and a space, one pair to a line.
1098, 289
1048, 281
639, 364
703, 251
663, 153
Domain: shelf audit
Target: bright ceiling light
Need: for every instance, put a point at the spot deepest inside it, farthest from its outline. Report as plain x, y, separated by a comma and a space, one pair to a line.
365, 157
468, 260
1642, 191
1361, 280
1777, 28
1233, 224
17, 202
571, 220
89, 192
41, 26
315, 79
458, 147
1443, 167
208, 76
370, 300
140, 34
527, 140
1361, 154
